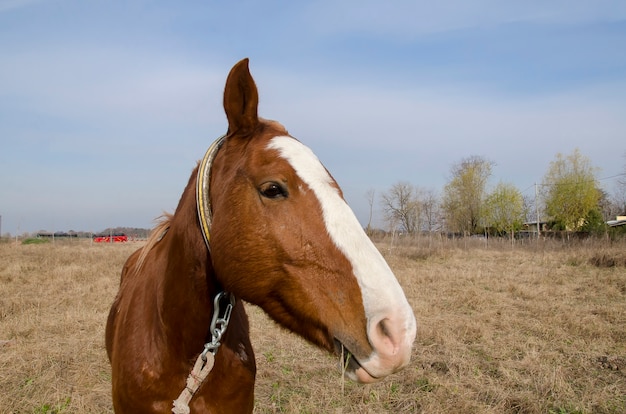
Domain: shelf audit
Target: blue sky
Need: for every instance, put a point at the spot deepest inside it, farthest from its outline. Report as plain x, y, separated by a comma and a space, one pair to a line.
106, 106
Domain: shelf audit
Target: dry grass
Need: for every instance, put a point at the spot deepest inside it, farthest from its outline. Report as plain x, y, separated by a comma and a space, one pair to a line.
501, 329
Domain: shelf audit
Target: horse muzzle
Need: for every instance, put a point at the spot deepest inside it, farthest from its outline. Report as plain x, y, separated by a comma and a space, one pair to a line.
391, 339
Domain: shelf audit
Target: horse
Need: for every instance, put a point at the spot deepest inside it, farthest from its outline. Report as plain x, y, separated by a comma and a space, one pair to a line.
261, 221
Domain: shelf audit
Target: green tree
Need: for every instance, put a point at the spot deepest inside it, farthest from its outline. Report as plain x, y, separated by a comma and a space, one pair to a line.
570, 190
594, 222
504, 209
463, 196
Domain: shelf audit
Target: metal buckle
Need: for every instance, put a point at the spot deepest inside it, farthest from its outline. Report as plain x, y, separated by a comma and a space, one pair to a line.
219, 322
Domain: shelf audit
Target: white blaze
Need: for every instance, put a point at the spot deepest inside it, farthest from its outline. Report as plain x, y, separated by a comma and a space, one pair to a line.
381, 291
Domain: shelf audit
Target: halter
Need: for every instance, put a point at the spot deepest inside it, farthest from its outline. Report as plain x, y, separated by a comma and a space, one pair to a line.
203, 199
221, 314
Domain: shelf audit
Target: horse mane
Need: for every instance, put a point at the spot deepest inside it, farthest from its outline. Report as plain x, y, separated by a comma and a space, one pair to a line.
157, 233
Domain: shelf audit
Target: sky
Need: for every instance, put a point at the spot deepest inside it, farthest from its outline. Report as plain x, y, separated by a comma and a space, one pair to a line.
106, 106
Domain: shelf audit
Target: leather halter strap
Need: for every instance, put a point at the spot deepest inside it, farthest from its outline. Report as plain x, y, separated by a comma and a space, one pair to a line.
203, 199
219, 322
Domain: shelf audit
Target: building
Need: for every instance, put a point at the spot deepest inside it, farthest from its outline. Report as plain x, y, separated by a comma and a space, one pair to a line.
619, 221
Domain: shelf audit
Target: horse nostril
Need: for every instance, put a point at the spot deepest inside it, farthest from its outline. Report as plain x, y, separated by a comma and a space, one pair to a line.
382, 328
387, 339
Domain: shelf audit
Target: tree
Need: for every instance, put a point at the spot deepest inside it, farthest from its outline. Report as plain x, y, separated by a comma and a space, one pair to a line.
429, 202
608, 207
401, 208
618, 201
570, 190
371, 196
463, 196
619, 198
504, 209
594, 222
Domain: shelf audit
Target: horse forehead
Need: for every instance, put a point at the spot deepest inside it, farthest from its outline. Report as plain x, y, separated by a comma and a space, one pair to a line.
304, 163
337, 216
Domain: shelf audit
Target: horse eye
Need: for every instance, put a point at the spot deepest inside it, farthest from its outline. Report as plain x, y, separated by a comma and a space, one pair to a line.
272, 190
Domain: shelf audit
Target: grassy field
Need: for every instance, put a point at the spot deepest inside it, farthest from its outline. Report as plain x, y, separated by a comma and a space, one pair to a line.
502, 329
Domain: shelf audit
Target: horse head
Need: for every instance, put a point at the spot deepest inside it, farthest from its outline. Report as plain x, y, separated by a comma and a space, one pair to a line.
283, 238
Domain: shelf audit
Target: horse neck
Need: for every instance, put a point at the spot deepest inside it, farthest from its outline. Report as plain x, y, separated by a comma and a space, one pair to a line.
187, 288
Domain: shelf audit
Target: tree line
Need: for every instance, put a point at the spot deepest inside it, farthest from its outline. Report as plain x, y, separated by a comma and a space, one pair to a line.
569, 198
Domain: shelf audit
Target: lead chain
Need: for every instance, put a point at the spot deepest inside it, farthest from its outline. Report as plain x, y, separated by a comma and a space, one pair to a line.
218, 323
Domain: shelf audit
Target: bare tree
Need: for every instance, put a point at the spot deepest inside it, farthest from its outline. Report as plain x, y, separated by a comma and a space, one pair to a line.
400, 206
430, 211
618, 201
619, 198
371, 196
529, 208
411, 208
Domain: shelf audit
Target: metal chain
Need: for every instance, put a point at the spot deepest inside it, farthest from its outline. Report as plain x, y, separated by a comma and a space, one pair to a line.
219, 323
203, 365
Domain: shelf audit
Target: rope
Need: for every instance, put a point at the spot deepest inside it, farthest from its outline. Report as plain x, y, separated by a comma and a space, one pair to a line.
195, 379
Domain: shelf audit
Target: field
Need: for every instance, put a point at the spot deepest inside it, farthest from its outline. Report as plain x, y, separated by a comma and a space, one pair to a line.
502, 329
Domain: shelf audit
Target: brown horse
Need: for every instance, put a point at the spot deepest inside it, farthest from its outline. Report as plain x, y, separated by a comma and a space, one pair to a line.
281, 237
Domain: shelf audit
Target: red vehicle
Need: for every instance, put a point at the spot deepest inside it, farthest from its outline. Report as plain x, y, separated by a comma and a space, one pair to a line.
107, 238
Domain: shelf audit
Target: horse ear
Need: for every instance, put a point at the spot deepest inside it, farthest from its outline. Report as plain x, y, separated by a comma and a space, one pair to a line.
241, 99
